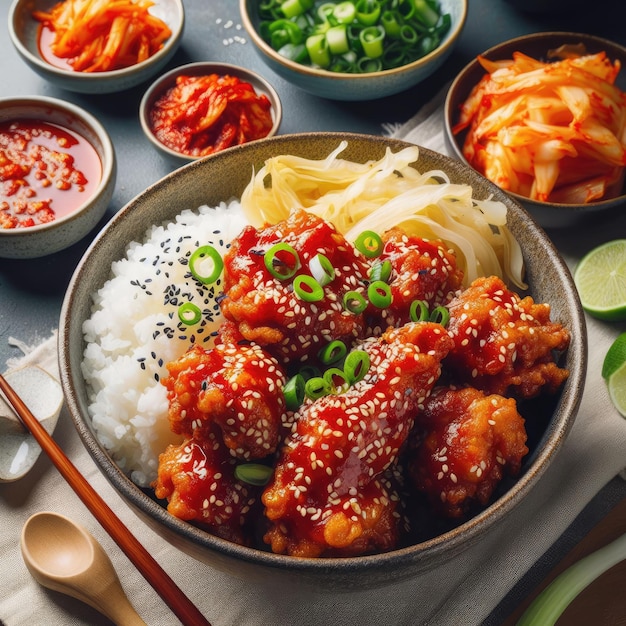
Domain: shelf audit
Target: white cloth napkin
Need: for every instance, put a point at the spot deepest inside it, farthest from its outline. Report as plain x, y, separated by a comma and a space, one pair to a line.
464, 591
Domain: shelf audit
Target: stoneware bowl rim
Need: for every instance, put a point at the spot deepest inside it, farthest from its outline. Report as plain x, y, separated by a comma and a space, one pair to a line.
554, 213
339, 574
198, 68
96, 82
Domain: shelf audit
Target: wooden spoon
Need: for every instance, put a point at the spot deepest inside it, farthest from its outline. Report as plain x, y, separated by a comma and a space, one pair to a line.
63, 556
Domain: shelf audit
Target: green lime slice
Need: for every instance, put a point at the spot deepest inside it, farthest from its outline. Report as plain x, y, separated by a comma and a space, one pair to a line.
600, 278
617, 389
615, 357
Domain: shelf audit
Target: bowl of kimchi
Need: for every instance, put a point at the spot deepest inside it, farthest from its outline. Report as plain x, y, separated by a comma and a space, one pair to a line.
292, 242
197, 109
96, 46
542, 116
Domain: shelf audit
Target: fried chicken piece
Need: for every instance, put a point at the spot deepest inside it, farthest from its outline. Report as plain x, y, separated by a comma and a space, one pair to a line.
504, 344
421, 270
327, 496
267, 309
197, 479
468, 442
236, 387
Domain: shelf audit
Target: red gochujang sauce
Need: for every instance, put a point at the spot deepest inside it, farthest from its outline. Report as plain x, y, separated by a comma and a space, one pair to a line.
46, 172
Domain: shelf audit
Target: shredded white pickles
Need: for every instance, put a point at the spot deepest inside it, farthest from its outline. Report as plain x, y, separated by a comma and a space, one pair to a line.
379, 195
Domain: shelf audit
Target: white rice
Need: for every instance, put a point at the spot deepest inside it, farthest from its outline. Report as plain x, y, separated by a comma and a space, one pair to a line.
134, 330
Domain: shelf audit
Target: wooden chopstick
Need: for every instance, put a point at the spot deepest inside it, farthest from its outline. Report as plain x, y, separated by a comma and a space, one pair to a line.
172, 595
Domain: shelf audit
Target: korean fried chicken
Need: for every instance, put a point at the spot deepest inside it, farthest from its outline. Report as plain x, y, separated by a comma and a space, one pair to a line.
467, 442
327, 492
236, 387
266, 308
420, 270
197, 479
504, 344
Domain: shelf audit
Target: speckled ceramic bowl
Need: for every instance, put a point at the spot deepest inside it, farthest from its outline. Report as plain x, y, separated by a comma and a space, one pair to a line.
225, 175
24, 33
44, 239
168, 80
547, 214
345, 86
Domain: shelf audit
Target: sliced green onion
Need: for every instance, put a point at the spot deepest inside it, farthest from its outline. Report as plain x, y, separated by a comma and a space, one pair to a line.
294, 392
322, 269
307, 288
317, 47
368, 11
372, 39
201, 257
418, 311
440, 315
344, 12
332, 352
189, 313
381, 271
277, 266
391, 23
550, 604
331, 375
408, 35
316, 387
294, 52
337, 39
365, 65
354, 302
291, 8
356, 366
425, 13
369, 244
379, 294
254, 473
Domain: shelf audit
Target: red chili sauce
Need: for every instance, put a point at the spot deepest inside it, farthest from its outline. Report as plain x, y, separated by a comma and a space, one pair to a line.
46, 39
46, 172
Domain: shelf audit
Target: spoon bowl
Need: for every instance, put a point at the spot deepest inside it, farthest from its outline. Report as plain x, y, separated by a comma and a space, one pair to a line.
63, 556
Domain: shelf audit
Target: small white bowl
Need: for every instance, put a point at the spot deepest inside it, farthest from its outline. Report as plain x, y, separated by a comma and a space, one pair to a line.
348, 86
24, 33
168, 80
43, 239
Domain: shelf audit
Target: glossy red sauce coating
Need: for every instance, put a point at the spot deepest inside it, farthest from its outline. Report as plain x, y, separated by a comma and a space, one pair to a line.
201, 115
46, 172
45, 41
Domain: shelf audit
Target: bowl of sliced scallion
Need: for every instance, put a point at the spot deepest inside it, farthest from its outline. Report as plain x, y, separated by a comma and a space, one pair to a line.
354, 49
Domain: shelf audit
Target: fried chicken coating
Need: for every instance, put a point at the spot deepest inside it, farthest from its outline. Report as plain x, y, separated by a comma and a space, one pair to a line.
267, 309
504, 344
236, 387
326, 493
420, 270
468, 441
197, 479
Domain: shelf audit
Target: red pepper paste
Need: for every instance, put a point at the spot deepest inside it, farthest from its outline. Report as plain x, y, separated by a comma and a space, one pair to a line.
46, 172
201, 115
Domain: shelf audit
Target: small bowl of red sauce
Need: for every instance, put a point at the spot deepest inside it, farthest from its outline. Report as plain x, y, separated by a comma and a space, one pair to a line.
202, 108
92, 46
57, 175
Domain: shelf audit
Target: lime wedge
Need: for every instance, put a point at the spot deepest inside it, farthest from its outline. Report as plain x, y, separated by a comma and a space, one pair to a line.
615, 357
617, 389
600, 278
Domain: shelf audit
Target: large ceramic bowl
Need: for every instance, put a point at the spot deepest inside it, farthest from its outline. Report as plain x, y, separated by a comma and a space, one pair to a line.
66, 229
537, 45
224, 176
168, 80
351, 86
24, 33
